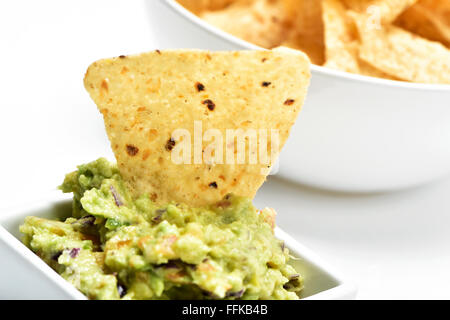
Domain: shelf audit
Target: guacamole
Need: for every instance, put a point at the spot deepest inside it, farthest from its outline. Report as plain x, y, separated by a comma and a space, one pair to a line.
116, 247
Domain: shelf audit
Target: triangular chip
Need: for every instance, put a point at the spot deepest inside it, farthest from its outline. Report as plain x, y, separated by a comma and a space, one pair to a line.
307, 34
379, 12
429, 19
145, 99
405, 55
342, 43
341, 50
262, 22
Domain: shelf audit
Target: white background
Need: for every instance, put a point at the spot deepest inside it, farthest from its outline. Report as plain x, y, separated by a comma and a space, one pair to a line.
391, 245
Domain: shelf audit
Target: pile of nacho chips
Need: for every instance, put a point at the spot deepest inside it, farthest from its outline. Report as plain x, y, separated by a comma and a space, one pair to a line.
406, 40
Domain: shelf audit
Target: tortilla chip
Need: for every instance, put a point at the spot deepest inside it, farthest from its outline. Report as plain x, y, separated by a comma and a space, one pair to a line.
358, 66
440, 7
366, 69
291, 7
379, 12
405, 55
307, 32
198, 6
340, 41
145, 98
429, 19
261, 23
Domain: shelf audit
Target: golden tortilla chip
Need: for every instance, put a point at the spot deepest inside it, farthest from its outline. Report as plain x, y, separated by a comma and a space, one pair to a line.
341, 50
378, 12
198, 6
195, 6
261, 23
341, 42
429, 19
405, 55
440, 7
366, 69
307, 32
147, 99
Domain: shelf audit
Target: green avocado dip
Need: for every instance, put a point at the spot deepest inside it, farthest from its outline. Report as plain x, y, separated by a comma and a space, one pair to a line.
117, 247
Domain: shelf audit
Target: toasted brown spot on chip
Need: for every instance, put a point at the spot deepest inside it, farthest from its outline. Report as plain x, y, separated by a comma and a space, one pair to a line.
104, 85
132, 150
211, 105
200, 87
158, 51
266, 83
124, 70
152, 134
146, 154
289, 102
170, 144
213, 185
122, 56
141, 109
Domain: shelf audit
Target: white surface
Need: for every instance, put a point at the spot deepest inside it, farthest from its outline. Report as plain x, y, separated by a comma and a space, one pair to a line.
24, 269
355, 133
392, 245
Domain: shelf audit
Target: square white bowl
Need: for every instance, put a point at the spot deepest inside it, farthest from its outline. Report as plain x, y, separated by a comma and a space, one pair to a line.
24, 275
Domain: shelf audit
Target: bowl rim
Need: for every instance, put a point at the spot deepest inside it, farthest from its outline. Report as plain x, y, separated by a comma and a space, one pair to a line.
194, 19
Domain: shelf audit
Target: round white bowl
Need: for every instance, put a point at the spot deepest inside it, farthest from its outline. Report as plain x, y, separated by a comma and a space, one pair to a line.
355, 133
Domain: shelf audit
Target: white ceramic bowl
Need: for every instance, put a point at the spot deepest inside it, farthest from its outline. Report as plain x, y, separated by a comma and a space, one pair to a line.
23, 275
355, 133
